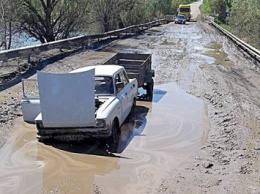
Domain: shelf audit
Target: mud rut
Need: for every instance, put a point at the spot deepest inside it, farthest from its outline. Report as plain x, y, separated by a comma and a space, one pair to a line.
208, 66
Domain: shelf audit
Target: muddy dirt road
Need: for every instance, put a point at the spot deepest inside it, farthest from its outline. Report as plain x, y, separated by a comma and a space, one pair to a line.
200, 134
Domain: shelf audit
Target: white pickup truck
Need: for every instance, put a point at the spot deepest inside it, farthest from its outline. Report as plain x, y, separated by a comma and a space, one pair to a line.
90, 102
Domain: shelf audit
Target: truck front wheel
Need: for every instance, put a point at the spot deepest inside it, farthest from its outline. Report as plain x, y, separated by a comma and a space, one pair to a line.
113, 140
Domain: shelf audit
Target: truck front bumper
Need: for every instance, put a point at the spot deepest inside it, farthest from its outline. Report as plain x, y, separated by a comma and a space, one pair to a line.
73, 133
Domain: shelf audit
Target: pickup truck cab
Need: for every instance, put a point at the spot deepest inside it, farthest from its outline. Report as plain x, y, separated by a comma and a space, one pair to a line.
90, 102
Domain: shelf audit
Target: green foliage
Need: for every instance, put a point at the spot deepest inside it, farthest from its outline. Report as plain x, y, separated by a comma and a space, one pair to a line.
138, 14
162, 7
51, 20
244, 20
226, 27
115, 14
175, 6
206, 7
218, 7
217, 21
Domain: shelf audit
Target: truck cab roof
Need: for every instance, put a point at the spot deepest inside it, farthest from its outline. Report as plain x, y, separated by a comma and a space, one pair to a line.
104, 70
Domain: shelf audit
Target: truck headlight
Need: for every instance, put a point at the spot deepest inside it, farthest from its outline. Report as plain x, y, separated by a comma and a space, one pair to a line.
100, 123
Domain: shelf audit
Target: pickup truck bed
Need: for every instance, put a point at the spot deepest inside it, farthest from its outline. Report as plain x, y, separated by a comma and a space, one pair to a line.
137, 66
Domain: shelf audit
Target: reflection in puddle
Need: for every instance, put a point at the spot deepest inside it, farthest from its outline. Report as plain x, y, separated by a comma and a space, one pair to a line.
157, 94
163, 134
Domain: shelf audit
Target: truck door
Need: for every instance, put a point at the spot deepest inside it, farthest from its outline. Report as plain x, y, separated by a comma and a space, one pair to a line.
123, 89
129, 89
30, 101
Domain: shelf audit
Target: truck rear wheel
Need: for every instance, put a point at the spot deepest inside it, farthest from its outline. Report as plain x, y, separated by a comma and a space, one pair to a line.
113, 140
149, 90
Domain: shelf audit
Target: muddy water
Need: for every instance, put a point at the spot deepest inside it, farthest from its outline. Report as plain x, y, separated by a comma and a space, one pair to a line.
164, 134
219, 56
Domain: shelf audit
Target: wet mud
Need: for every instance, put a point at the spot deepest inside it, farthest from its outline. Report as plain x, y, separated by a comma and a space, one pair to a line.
161, 135
220, 57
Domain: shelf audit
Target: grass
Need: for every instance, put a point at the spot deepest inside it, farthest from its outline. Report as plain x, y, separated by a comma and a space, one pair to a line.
206, 7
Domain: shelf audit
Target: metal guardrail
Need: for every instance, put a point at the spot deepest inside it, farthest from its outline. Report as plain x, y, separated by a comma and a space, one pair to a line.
255, 53
83, 41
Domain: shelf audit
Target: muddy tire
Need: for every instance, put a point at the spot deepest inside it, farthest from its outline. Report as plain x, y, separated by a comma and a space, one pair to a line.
149, 90
113, 140
46, 140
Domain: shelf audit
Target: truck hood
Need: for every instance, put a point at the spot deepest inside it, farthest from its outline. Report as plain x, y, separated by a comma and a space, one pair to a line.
67, 100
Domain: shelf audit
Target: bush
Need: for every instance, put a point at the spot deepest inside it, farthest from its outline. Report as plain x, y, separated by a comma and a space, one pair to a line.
217, 21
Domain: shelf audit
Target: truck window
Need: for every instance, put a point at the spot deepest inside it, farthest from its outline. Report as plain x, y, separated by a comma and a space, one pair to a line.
104, 85
123, 77
121, 80
184, 9
119, 83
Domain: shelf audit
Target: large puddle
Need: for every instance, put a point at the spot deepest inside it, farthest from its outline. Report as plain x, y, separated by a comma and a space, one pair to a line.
164, 134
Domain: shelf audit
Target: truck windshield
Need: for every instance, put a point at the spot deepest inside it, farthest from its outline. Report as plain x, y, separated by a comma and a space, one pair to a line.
104, 85
184, 9
180, 16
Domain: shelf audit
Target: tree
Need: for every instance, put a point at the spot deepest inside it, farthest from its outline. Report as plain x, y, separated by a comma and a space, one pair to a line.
228, 4
139, 12
108, 12
7, 23
218, 7
244, 21
162, 7
50, 20
113, 14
